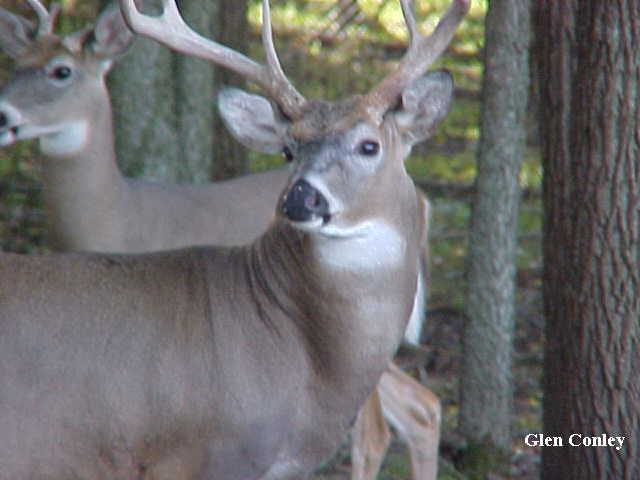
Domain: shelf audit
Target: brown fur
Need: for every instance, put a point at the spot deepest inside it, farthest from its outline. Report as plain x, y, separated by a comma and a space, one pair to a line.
102, 378
321, 119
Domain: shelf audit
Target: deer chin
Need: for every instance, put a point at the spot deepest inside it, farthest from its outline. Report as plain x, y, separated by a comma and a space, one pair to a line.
331, 227
314, 225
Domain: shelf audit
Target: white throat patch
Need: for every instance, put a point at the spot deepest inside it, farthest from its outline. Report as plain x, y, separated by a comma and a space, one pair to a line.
68, 139
368, 246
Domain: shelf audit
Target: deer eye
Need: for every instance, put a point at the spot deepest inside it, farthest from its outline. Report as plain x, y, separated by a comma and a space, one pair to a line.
60, 72
369, 148
286, 153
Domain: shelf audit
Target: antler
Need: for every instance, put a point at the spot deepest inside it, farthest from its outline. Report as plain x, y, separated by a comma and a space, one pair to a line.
422, 52
46, 18
171, 30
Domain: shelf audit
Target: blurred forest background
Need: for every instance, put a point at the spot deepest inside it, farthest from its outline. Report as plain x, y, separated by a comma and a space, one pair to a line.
332, 48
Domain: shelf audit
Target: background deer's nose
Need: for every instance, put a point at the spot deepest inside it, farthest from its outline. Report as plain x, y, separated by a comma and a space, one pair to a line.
303, 202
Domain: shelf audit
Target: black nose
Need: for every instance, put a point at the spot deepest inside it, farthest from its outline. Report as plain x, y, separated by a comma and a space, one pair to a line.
303, 202
4, 121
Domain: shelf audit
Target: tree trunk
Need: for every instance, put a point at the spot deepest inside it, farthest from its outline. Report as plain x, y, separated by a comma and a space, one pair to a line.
588, 60
195, 100
163, 107
486, 386
233, 31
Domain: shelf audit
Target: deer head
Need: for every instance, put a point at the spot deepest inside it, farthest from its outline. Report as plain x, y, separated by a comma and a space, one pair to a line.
347, 155
58, 80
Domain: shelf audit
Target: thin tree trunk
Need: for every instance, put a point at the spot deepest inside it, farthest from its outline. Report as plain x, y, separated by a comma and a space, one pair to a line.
195, 100
233, 31
588, 58
486, 384
163, 106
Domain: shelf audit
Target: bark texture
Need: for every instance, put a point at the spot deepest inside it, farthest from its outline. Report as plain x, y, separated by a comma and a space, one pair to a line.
486, 385
232, 30
163, 106
588, 60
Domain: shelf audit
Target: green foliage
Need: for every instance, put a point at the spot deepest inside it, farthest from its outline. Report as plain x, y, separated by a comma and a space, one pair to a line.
395, 466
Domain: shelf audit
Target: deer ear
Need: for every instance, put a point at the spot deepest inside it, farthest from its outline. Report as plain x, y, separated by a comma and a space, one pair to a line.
15, 33
111, 36
424, 104
252, 120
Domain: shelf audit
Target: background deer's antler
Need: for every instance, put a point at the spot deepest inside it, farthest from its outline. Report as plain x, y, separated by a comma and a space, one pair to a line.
46, 18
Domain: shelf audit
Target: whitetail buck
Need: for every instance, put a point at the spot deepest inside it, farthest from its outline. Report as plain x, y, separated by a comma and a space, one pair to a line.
12, 131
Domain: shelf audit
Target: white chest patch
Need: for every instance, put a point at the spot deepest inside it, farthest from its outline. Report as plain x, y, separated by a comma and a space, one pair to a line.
371, 245
68, 139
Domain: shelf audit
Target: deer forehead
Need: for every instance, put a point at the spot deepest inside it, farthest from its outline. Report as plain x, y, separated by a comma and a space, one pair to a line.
324, 119
41, 51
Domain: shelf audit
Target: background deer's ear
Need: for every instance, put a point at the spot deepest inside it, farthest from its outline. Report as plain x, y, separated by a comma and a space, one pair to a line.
15, 33
252, 120
424, 104
111, 36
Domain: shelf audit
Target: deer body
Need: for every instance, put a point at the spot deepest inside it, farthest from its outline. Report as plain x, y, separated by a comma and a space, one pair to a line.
101, 378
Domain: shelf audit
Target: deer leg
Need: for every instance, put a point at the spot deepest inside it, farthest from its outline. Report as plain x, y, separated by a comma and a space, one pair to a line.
414, 411
370, 439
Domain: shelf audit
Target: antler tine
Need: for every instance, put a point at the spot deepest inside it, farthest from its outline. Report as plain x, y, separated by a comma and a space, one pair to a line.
422, 52
171, 30
410, 19
294, 101
46, 18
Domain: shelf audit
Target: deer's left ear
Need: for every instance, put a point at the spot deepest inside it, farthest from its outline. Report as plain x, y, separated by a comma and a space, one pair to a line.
424, 104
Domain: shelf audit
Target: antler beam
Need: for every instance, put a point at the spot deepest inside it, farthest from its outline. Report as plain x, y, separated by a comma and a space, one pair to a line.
171, 30
422, 52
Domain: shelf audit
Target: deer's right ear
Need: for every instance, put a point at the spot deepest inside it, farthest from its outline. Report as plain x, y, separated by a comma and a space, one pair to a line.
252, 121
15, 33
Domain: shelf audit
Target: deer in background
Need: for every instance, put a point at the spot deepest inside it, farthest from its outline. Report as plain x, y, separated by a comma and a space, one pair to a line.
106, 221
58, 94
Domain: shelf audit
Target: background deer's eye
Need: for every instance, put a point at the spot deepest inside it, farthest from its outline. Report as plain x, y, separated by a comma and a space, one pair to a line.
60, 72
369, 147
286, 153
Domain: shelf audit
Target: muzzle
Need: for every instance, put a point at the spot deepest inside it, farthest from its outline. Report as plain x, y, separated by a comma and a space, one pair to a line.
304, 203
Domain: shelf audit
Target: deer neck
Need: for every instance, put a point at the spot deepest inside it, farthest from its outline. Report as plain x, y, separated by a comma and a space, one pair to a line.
82, 183
349, 319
